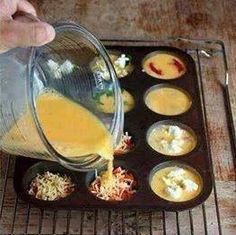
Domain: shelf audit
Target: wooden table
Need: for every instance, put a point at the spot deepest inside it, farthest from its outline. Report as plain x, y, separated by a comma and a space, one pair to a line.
144, 20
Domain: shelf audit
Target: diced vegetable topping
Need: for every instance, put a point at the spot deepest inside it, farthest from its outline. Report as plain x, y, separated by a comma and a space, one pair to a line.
178, 65
155, 70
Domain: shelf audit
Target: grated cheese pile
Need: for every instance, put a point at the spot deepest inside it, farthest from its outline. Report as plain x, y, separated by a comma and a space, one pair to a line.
51, 187
118, 188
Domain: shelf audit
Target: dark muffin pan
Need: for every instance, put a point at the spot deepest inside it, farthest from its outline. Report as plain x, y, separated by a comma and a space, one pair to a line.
142, 159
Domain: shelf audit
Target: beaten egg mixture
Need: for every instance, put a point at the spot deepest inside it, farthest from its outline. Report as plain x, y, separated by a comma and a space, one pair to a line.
168, 101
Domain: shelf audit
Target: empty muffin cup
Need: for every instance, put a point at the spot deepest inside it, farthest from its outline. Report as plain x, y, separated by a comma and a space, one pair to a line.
171, 138
162, 65
167, 100
175, 182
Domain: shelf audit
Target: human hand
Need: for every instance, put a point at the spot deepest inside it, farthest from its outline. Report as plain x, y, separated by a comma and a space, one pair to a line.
19, 32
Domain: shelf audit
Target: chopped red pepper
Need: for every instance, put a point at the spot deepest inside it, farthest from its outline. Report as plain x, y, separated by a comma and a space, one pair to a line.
154, 69
178, 65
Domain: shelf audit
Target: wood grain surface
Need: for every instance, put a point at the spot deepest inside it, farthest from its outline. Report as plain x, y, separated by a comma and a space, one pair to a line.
142, 19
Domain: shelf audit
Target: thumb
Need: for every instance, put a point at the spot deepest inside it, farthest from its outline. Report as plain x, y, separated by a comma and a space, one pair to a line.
14, 33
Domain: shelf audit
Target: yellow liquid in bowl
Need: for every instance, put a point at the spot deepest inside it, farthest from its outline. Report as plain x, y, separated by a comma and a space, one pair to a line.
69, 127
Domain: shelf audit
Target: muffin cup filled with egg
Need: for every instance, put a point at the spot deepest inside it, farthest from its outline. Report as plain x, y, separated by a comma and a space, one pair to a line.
168, 100
175, 182
163, 65
171, 138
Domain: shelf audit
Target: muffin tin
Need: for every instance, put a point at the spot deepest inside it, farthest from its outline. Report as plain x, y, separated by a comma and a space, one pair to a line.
142, 159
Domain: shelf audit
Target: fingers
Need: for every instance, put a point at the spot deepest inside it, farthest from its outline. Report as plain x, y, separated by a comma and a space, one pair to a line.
19, 34
25, 6
9, 8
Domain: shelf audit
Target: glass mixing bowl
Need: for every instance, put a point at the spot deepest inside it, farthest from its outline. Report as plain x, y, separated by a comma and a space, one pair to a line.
67, 66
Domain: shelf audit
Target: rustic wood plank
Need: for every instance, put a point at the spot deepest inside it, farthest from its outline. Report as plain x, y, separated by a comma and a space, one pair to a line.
157, 223
75, 223
171, 223
184, 222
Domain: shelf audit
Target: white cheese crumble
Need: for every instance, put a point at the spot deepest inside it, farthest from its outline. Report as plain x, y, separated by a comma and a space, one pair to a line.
174, 191
189, 185
58, 70
67, 67
55, 68
121, 61
175, 131
175, 146
177, 182
173, 140
178, 172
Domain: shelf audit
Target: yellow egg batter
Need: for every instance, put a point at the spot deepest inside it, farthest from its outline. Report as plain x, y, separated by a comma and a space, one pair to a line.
168, 101
71, 129
164, 66
176, 184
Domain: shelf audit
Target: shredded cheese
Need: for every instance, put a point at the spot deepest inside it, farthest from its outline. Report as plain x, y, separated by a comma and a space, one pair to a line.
119, 187
51, 187
125, 144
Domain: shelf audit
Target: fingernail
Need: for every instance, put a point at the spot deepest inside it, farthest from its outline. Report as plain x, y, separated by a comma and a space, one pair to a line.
50, 32
44, 33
